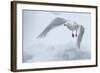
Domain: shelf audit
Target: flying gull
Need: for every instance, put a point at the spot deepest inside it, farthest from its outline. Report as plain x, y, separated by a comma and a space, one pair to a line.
71, 25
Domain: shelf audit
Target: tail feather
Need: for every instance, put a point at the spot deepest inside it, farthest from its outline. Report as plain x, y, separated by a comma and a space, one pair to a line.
80, 36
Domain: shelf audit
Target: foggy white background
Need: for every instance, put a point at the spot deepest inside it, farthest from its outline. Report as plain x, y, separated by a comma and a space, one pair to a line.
5, 38
58, 44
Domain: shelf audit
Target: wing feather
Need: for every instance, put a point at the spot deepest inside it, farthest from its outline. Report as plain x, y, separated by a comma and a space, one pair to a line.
56, 22
80, 36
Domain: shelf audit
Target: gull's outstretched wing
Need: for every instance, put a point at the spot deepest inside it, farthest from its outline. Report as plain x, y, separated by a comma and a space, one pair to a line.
56, 22
80, 36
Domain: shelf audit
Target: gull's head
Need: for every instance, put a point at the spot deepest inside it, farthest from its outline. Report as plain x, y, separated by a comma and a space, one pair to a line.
71, 25
68, 22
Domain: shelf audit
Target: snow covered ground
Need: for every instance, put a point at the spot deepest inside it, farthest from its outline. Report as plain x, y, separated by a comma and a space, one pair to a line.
43, 54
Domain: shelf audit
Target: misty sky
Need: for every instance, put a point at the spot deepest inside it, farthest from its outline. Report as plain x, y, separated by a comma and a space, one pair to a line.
34, 22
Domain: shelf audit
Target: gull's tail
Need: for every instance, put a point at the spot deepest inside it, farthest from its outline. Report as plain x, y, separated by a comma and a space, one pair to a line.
80, 36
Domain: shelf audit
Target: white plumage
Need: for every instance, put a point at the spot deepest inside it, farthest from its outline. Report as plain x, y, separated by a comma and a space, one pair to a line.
71, 25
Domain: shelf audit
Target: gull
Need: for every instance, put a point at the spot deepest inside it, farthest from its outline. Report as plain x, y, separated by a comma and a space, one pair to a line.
71, 25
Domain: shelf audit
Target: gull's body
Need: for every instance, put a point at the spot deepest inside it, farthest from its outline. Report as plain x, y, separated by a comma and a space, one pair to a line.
73, 26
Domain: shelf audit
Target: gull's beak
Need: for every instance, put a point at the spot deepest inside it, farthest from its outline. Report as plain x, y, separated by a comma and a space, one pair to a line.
65, 24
